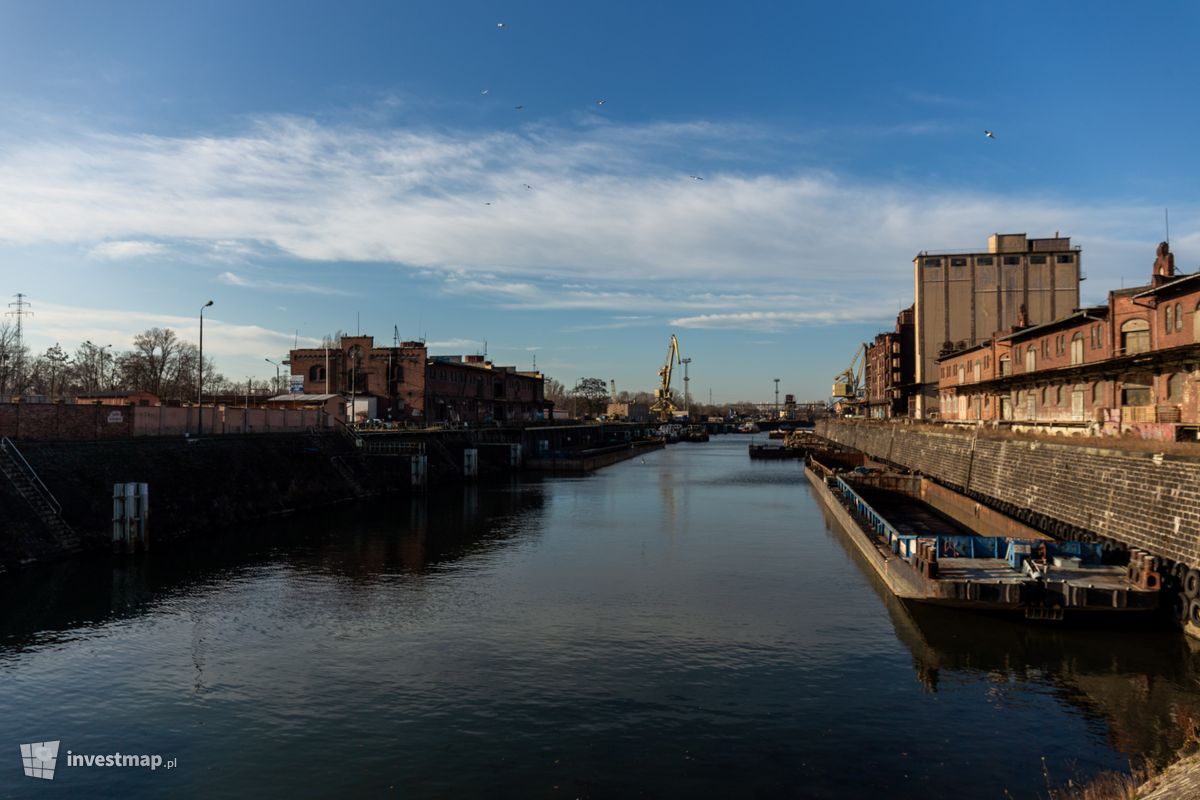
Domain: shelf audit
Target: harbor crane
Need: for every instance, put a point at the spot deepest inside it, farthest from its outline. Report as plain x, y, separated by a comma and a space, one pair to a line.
662, 402
848, 385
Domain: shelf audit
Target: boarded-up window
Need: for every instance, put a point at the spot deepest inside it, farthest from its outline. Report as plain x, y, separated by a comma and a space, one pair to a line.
1077, 349
1175, 388
1135, 336
1178, 317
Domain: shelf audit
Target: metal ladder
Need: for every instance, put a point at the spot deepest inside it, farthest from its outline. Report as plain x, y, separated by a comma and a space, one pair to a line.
31, 488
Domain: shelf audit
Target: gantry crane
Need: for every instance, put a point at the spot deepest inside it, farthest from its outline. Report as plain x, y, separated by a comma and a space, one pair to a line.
662, 403
848, 385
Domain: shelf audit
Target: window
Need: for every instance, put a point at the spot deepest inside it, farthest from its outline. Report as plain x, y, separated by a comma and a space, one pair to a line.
983, 261
1097, 393
316, 373
1133, 394
1135, 336
1012, 261
1030, 360
1166, 319
958, 262
932, 262
1006, 365
1066, 259
1178, 317
1058, 395
1037, 259
1077, 349
1046, 347
1175, 388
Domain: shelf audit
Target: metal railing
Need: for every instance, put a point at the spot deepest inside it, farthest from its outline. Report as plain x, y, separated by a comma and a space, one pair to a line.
19, 461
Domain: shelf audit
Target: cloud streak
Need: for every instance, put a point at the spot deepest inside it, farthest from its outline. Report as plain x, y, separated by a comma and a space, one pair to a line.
613, 203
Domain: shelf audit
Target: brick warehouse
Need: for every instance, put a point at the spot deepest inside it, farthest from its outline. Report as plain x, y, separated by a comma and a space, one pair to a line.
1128, 366
406, 384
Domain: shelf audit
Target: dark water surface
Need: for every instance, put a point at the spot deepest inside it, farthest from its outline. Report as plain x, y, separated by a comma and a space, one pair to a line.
688, 626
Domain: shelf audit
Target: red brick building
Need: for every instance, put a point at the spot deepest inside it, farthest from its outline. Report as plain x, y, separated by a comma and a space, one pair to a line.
1132, 365
890, 369
408, 385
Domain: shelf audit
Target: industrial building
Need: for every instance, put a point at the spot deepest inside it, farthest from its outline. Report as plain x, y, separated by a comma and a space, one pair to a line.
890, 368
963, 298
402, 383
1130, 365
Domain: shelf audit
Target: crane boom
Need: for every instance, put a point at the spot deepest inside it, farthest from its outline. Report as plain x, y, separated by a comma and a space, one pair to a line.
662, 404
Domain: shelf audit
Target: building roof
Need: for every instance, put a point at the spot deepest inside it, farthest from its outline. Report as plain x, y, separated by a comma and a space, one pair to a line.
965, 350
302, 398
1175, 284
1093, 313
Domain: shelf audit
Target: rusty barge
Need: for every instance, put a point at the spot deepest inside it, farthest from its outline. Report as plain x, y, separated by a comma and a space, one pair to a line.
930, 545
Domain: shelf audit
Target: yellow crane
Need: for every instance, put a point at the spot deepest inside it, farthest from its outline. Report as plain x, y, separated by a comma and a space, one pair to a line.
662, 403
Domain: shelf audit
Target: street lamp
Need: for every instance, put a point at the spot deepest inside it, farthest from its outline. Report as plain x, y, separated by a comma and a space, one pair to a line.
200, 375
777, 398
269, 361
100, 373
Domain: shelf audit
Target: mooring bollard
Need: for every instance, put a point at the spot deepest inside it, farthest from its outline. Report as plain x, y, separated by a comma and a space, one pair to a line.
131, 511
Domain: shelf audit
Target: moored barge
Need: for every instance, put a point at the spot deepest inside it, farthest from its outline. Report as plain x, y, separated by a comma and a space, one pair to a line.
953, 552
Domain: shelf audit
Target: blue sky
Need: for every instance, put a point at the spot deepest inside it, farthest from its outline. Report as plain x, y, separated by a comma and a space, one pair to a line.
307, 165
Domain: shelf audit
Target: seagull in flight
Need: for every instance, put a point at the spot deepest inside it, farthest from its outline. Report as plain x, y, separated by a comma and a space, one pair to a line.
484, 91
519, 108
601, 102
501, 24
526, 185
989, 134
695, 177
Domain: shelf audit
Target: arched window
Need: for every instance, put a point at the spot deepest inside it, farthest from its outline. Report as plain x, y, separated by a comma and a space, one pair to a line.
1058, 395
1167, 318
1175, 388
316, 373
1135, 336
1077, 349
1031, 359
1178, 317
1006, 362
1136, 394
1097, 393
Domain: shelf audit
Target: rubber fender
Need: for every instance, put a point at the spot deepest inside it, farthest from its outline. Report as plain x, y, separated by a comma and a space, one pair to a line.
1191, 584
1194, 611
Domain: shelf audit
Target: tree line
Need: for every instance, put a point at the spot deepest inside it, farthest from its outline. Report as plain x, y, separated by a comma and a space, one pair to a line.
159, 362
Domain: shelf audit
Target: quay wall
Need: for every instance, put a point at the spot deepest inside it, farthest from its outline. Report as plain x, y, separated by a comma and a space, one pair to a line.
1139, 499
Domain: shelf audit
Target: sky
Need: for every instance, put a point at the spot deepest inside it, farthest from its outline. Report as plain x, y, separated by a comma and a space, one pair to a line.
756, 180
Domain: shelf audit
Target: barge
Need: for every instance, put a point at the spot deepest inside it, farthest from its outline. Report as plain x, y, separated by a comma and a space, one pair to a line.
934, 553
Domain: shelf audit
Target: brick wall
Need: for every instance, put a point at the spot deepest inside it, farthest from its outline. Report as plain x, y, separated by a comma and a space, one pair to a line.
1145, 500
62, 421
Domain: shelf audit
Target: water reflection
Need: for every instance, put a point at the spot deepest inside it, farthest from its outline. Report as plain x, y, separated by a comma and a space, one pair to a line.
361, 543
1141, 684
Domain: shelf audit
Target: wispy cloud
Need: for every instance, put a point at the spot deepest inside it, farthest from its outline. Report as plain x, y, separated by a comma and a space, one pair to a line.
121, 250
613, 203
234, 279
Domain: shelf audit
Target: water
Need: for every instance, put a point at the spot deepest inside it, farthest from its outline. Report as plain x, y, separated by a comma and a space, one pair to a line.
687, 626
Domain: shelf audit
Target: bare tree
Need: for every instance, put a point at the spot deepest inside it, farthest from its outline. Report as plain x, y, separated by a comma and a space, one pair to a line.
151, 362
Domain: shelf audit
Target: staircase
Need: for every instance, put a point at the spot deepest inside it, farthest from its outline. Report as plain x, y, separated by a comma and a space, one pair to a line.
30, 487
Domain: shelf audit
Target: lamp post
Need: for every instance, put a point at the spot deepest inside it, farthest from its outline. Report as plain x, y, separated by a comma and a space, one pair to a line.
269, 361
687, 395
199, 376
777, 398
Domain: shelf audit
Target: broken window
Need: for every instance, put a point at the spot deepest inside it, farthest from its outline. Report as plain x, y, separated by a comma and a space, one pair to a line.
1135, 336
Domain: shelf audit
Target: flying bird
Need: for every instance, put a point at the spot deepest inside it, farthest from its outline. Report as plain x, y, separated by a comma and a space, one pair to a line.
501, 24
601, 102
518, 108
484, 91
487, 204
695, 177
989, 134
526, 185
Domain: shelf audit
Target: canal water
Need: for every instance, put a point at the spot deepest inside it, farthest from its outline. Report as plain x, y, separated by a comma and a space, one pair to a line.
683, 625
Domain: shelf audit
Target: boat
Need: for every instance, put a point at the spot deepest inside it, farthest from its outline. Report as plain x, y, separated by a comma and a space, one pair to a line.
766, 451
695, 433
748, 427
932, 546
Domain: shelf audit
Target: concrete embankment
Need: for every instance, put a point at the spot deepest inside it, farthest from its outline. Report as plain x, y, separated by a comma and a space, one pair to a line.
1073, 490
594, 459
215, 481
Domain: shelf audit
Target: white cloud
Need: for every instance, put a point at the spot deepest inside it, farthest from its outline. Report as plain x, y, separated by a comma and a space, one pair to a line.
455, 346
121, 250
234, 279
609, 203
